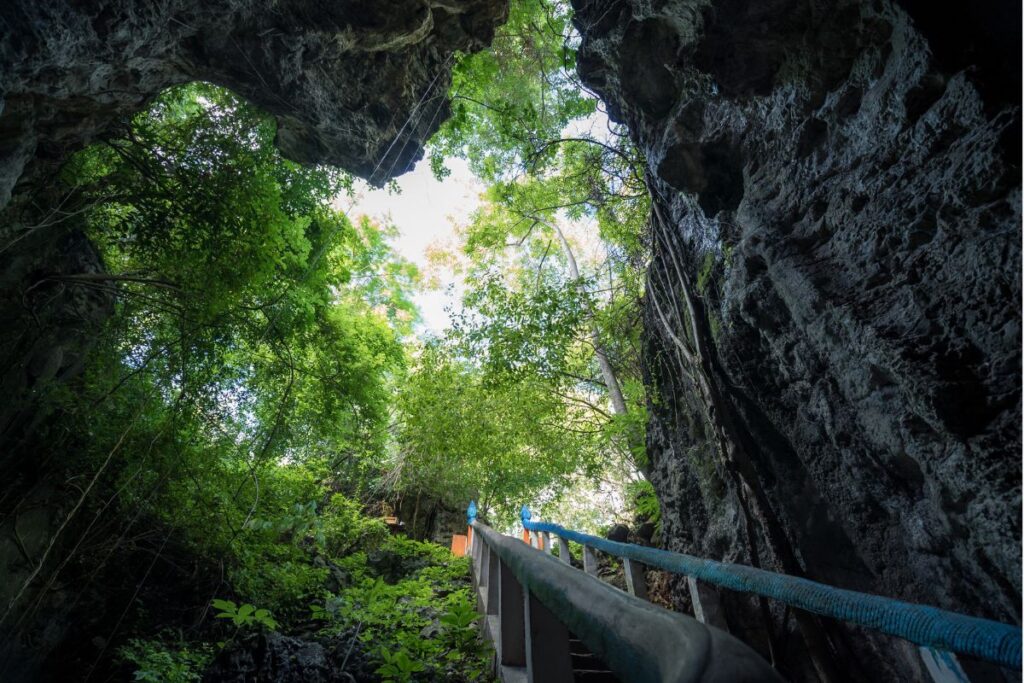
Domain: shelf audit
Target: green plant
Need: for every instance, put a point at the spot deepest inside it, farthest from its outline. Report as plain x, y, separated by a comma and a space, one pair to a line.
398, 666
459, 621
346, 528
244, 615
329, 611
301, 521
157, 662
645, 501
707, 268
278, 576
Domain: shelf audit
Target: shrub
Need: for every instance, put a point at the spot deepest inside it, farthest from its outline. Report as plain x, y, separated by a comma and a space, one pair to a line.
347, 529
158, 662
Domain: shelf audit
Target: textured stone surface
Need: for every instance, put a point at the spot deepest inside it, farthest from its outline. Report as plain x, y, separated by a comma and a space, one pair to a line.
272, 657
844, 208
354, 83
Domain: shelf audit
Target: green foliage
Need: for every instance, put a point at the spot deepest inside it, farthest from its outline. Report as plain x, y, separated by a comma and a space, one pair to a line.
465, 437
257, 333
521, 334
244, 615
154, 661
508, 100
459, 621
425, 619
645, 501
539, 309
298, 523
704, 274
257, 383
346, 529
398, 666
278, 576
330, 610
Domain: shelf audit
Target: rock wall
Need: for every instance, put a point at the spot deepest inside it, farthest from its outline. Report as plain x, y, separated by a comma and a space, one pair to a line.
833, 314
353, 83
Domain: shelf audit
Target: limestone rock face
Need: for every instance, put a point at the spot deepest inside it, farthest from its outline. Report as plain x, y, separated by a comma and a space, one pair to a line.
274, 657
835, 288
354, 83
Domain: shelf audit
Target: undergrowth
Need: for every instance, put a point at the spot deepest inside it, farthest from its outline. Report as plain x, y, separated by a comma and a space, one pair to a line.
399, 609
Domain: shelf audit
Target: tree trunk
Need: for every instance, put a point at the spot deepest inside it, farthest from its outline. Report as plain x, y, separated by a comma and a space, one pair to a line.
607, 372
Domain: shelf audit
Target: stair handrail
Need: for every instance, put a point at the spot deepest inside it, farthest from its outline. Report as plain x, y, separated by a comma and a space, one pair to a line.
923, 625
640, 642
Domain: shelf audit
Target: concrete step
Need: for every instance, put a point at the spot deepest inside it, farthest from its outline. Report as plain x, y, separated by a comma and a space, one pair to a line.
588, 667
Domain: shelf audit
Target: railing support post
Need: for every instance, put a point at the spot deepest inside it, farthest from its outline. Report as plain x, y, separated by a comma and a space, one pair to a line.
512, 619
493, 582
563, 551
547, 543
482, 561
589, 560
547, 644
943, 667
483, 566
706, 606
636, 582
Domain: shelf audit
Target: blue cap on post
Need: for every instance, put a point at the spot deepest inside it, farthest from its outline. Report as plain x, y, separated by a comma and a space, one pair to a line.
471, 513
525, 515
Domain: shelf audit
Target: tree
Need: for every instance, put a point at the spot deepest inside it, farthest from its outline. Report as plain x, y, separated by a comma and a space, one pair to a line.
519, 110
257, 328
462, 436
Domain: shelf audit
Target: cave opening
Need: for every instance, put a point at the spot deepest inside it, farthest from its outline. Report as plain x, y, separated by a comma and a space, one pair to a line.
286, 286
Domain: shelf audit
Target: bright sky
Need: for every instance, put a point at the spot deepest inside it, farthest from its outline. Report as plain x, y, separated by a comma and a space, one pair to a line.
426, 213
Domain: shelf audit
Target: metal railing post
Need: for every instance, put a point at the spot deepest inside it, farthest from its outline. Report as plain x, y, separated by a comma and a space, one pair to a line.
563, 551
707, 608
484, 566
636, 582
511, 618
548, 659
589, 560
942, 667
493, 582
478, 554
636, 640
547, 543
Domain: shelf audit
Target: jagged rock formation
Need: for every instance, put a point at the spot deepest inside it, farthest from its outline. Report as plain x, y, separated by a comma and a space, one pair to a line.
283, 659
833, 309
355, 83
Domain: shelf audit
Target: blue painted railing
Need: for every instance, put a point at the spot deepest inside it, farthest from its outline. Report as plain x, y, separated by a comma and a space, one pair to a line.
927, 626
